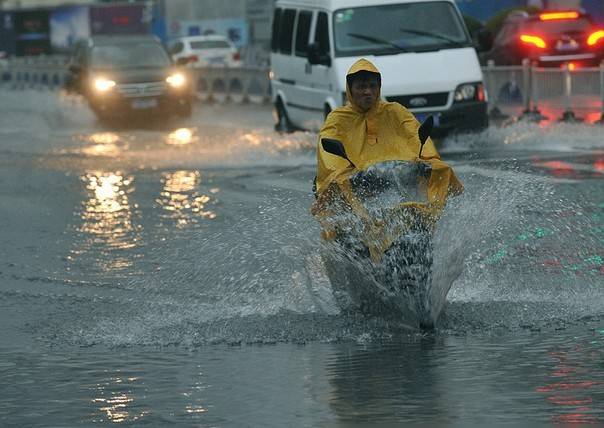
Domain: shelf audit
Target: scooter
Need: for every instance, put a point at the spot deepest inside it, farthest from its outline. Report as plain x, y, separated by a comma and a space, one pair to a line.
381, 221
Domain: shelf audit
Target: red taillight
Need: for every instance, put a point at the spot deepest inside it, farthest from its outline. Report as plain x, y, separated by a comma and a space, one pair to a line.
236, 56
558, 15
595, 37
533, 40
193, 58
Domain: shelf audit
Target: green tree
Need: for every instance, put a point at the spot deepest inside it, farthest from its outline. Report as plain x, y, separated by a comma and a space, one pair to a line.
493, 25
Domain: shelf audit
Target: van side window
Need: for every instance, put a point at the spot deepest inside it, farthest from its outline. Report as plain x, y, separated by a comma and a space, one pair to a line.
322, 33
286, 31
302, 32
276, 27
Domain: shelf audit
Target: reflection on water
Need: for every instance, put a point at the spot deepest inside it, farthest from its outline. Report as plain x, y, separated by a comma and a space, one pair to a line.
116, 400
180, 199
571, 390
276, 144
577, 169
181, 137
110, 150
369, 383
104, 138
107, 214
124, 399
102, 144
195, 396
107, 219
252, 139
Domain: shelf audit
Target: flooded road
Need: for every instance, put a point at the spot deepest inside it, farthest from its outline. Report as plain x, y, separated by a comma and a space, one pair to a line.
171, 274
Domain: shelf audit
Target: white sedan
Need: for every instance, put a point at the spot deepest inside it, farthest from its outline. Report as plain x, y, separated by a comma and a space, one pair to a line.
205, 51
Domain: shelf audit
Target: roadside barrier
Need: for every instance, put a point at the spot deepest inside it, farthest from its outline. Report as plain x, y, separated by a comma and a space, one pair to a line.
243, 85
537, 93
34, 72
525, 91
491, 83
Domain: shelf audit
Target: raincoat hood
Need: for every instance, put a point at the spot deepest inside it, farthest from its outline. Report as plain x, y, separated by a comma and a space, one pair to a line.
361, 65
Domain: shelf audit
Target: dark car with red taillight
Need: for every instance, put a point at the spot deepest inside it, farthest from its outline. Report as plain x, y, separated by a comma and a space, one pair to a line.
548, 39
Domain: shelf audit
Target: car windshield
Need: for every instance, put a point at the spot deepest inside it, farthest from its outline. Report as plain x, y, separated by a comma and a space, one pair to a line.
407, 27
210, 44
562, 26
130, 55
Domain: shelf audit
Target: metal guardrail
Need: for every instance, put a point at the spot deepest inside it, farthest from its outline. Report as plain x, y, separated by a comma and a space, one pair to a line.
34, 72
233, 84
531, 92
523, 91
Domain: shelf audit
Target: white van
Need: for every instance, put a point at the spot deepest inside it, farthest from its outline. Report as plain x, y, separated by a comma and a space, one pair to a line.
421, 47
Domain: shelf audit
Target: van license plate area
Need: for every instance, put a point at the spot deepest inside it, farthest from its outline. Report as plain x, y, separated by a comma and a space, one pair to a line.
144, 103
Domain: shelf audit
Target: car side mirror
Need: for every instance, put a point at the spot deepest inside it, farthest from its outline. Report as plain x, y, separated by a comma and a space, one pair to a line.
424, 131
316, 57
182, 61
335, 147
485, 40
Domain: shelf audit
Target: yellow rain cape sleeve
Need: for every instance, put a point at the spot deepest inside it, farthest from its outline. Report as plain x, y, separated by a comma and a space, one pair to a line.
388, 131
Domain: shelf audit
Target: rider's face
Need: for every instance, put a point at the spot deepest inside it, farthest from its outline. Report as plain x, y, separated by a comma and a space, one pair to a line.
364, 92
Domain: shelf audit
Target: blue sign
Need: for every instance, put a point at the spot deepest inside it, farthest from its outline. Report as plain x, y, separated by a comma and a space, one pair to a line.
68, 25
7, 34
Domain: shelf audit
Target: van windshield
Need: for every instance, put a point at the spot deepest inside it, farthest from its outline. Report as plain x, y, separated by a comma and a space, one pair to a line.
406, 27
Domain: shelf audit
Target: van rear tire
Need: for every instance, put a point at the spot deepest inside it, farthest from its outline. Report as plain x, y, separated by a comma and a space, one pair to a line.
283, 124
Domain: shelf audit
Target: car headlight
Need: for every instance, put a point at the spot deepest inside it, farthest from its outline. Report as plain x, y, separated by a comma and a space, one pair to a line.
176, 80
103, 85
470, 92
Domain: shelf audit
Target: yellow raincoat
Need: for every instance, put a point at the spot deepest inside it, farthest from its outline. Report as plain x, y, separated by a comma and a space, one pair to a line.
388, 131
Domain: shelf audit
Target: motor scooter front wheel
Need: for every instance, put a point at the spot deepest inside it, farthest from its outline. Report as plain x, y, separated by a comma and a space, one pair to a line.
407, 271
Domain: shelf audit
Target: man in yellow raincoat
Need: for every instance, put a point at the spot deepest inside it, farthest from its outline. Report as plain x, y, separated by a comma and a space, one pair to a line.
373, 131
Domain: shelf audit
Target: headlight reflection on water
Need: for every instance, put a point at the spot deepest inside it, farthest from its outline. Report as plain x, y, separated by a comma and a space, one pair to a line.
181, 201
107, 219
104, 138
103, 144
116, 403
107, 212
277, 145
181, 137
